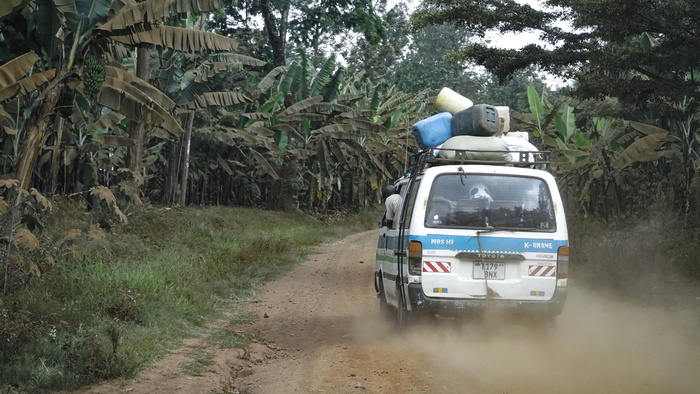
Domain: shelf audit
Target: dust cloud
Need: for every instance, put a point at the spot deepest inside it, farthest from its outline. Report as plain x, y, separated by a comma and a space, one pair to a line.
599, 345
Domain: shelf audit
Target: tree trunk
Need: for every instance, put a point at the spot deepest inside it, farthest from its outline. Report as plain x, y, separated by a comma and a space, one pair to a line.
172, 172
276, 34
55, 165
134, 157
39, 127
186, 158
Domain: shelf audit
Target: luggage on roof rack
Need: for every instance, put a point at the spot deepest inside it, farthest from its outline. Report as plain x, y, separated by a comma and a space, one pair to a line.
433, 131
478, 120
474, 148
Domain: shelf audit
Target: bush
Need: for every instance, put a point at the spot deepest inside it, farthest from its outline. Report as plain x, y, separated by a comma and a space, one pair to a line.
123, 305
17, 329
90, 358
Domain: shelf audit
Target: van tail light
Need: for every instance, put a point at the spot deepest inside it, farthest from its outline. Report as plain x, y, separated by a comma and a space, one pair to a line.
562, 266
415, 258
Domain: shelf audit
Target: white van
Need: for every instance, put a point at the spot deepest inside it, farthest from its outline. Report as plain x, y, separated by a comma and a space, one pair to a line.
475, 234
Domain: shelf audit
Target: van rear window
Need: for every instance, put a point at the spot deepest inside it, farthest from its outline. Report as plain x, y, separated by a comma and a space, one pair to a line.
461, 200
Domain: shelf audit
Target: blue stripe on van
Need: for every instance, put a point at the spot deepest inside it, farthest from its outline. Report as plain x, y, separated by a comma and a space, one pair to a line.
489, 244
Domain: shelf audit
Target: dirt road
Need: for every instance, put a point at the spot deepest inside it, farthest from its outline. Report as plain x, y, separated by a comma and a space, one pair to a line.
319, 331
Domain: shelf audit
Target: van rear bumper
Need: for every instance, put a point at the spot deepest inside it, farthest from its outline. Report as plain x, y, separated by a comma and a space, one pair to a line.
455, 306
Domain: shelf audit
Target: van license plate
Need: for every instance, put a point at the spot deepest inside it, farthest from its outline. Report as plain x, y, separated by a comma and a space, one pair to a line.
489, 270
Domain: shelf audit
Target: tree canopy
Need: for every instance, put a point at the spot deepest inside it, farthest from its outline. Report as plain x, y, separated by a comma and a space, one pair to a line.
630, 49
378, 61
307, 24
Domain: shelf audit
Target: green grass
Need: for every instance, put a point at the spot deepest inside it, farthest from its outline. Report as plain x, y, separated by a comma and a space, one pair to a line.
223, 338
114, 303
201, 359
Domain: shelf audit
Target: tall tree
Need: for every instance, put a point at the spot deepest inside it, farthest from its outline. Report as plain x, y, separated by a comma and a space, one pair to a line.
420, 60
644, 53
378, 61
276, 27
636, 50
427, 65
513, 92
305, 23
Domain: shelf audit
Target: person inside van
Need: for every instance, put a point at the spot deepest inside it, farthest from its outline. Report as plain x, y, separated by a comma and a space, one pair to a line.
393, 202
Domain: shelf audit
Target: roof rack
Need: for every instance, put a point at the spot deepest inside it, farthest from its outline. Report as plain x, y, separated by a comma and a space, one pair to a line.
433, 157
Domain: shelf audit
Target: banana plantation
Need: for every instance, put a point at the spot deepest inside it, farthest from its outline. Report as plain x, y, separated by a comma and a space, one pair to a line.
115, 102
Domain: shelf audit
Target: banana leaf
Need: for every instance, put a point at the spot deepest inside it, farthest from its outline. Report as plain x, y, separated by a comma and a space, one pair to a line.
113, 140
646, 129
300, 106
217, 99
303, 116
338, 153
177, 38
7, 7
565, 122
285, 128
285, 85
17, 68
121, 79
158, 10
641, 150
263, 131
235, 58
394, 101
269, 80
322, 77
264, 166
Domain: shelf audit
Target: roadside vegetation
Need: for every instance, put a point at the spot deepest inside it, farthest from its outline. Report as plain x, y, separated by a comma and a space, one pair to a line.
118, 300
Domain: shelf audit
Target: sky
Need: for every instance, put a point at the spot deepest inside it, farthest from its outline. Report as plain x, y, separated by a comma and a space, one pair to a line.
519, 40
507, 41
512, 40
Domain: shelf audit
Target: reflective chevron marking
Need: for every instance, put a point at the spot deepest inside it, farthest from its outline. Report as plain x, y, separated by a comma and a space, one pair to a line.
437, 267
541, 270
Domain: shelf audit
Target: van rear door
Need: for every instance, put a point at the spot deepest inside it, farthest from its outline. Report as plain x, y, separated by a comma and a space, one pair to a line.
492, 234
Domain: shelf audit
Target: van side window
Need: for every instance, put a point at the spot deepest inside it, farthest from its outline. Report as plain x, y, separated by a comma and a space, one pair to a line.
481, 201
411, 203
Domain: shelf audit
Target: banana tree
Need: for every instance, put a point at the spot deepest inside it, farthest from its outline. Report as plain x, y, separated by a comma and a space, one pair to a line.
681, 144
197, 83
590, 153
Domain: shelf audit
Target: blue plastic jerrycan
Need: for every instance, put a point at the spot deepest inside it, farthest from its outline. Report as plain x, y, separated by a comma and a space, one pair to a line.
433, 131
